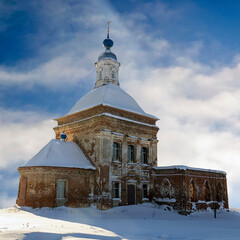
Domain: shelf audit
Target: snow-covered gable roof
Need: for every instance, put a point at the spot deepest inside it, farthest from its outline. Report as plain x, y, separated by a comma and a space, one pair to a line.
108, 95
60, 154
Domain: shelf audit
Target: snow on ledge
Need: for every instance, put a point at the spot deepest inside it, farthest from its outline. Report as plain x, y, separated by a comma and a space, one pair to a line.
109, 115
165, 199
183, 167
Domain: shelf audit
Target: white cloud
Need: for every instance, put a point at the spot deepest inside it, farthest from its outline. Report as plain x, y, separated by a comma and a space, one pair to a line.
52, 74
23, 134
70, 56
7, 201
199, 115
66, 47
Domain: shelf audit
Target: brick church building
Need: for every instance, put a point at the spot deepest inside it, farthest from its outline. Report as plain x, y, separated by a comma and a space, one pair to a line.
105, 153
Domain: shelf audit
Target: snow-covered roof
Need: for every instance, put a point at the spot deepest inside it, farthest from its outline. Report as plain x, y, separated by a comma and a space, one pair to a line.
183, 167
60, 154
108, 95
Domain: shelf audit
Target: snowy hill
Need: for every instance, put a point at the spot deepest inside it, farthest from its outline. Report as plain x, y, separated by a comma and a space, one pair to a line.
146, 221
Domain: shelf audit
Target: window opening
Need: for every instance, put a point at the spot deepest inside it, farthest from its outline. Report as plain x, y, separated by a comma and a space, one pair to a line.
113, 75
115, 190
144, 155
131, 154
145, 191
116, 152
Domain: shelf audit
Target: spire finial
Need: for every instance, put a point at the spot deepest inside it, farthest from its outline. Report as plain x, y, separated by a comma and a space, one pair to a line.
108, 29
107, 43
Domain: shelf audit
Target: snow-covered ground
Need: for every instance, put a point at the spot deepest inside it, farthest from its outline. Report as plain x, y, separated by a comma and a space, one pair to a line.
146, 221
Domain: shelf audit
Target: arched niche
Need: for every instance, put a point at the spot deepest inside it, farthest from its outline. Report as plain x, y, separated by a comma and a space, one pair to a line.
207, 192
193, 191
219, 192
166, 190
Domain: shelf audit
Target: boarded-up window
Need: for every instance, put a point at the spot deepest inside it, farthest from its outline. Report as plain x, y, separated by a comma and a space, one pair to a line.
61, 189
116, 152
131, 157
115, 189
145, 190
144, 155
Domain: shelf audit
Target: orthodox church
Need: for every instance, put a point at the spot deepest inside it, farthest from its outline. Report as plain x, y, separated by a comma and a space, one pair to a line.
105, 153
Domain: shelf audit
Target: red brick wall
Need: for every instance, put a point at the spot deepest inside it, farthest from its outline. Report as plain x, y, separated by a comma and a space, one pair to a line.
180, 188
37, 186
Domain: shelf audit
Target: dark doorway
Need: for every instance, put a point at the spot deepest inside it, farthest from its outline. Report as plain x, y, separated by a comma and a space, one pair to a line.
131, 194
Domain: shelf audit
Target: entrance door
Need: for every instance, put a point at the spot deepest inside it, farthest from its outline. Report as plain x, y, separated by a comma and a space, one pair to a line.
131, 194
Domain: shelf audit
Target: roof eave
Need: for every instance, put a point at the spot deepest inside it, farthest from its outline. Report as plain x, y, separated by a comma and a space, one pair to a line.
144, 115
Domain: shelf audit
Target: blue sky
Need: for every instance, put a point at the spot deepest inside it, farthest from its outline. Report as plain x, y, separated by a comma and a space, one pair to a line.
179, 59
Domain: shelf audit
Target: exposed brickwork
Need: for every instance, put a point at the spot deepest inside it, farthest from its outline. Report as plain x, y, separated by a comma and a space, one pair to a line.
95, 135
170, 184
37, 186
88, 113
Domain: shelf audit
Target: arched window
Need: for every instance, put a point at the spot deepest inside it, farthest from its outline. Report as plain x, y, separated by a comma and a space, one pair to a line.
219, 193
100, 75
207, 192
193, 192
113, 75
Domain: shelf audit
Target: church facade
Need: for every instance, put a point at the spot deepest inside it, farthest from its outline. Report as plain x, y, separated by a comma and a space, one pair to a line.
105, 153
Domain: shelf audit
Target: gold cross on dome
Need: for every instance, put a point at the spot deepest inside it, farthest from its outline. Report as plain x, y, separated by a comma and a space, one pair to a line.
108, 26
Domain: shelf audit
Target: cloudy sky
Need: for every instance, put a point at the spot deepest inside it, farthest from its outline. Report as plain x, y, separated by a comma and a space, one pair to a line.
179, 59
